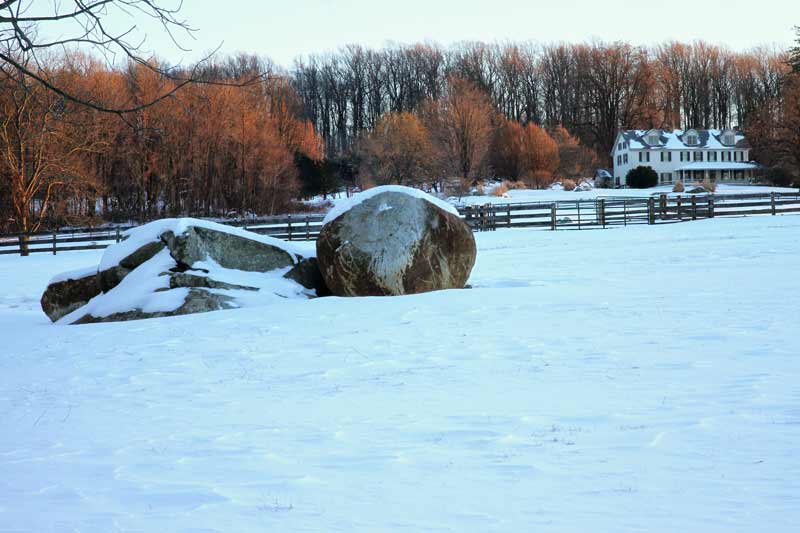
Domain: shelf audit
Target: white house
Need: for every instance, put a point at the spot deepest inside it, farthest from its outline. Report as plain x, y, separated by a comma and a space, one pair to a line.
686, 155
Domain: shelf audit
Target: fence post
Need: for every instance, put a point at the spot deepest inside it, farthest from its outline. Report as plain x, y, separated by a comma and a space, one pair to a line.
54, 243
308, 231
290, 226
624, 212
508, 213
578, 204
663, 202
772, 201
553, 216
651, 210
710, 207
118, 238
601, 207
23, 244
680, 204
694, 207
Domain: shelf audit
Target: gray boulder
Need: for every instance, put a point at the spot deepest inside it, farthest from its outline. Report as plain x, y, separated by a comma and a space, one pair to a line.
198, 280
69, 293
395, 241
227, 249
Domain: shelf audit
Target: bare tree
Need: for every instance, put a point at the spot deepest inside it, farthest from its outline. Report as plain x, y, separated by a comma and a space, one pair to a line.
27, 29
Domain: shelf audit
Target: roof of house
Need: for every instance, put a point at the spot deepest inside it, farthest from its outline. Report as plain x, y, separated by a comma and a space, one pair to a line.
709, 139
603, 173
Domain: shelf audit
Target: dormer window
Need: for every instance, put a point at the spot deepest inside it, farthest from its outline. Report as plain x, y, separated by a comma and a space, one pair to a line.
653, 137
728, 139
691, 138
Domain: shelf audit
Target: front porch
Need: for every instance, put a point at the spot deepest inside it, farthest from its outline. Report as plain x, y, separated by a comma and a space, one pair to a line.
722, 172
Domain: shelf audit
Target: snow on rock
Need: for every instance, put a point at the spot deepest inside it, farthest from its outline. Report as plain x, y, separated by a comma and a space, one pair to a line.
184, 266
345, 205
77, 273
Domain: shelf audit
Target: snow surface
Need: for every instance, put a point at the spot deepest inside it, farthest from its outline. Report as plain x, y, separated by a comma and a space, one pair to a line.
634, 379
344, 205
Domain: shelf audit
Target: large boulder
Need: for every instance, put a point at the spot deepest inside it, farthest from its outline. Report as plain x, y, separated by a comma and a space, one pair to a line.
70, 291
394, 240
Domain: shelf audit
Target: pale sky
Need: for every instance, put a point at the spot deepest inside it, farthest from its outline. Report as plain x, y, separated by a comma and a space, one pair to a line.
285, 29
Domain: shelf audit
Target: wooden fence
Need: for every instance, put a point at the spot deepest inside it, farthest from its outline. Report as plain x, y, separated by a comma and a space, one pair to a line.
602, 212
617, 211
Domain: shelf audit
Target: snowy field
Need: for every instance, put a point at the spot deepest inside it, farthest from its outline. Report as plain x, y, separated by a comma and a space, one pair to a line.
635, 379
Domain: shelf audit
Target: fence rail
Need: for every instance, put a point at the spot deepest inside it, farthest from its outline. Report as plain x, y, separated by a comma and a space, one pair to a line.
602, 212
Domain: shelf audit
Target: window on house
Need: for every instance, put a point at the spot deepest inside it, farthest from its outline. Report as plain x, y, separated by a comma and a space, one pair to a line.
691, 140
625, 158
653, 139
669, 157
728, 139
641, 157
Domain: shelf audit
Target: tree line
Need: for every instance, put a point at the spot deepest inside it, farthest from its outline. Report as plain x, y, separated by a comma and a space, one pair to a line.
247, 137
591, 89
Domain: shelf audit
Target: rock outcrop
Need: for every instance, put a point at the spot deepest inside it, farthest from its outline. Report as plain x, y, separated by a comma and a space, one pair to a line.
182, 266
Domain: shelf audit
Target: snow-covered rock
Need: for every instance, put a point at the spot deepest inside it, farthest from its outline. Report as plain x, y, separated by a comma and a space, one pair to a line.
394, 240
182, 266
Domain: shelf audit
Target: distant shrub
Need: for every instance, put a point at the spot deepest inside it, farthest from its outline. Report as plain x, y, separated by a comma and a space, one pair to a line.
479, 190
779, 177
568, 184
518, 185
501, 189
708, 185
678, 187
641, 177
